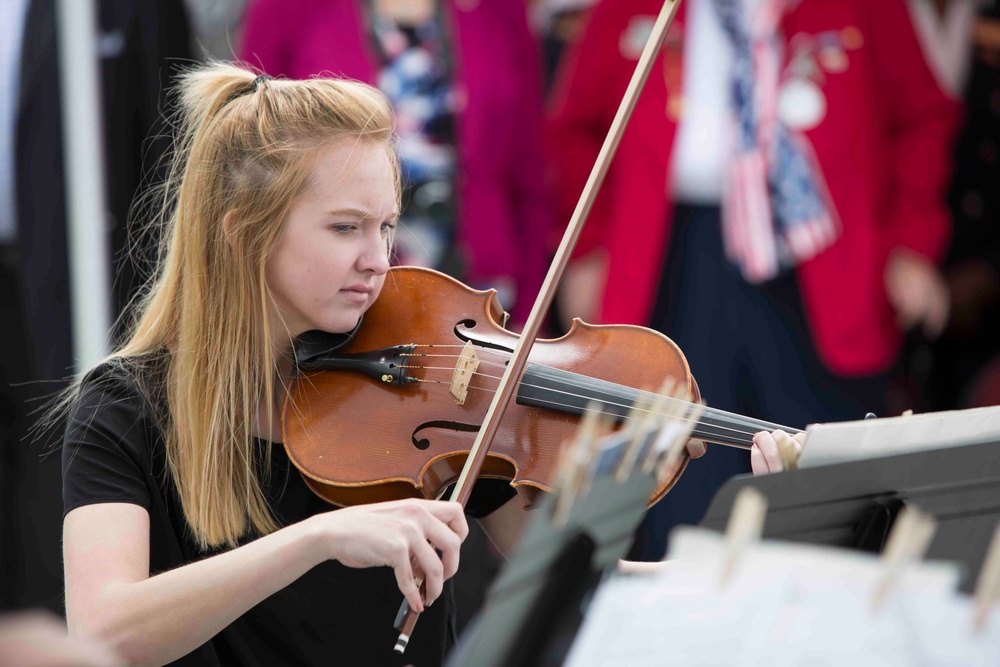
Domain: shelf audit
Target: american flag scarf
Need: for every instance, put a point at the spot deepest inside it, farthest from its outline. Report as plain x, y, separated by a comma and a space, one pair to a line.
776, 212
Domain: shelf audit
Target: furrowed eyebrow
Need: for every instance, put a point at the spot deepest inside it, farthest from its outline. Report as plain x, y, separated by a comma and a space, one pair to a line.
359, 214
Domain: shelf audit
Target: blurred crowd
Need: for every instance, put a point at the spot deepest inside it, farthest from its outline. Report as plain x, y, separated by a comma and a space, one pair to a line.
804, 201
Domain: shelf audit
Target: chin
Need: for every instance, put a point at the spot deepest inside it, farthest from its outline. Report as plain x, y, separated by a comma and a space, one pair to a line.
340, 324
337, 328
339, 317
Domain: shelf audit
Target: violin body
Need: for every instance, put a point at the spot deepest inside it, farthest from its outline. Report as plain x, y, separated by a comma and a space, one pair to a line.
363, 437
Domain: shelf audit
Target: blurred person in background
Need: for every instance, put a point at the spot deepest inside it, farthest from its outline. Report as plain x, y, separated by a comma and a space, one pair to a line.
964, 363
945, 29
216, 26
559, 23
39, 639
464, 79
13, 364
138, 43
786, 164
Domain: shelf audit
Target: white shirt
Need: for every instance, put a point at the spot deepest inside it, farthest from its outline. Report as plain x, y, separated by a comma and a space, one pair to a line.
946, 41
704, 135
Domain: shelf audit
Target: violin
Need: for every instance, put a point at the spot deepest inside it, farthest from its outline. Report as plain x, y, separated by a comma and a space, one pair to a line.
383, 406
392, 412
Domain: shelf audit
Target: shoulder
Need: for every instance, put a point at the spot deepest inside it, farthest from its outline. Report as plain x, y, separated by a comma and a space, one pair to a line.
118, 382
113, 447
613, 37
117, 406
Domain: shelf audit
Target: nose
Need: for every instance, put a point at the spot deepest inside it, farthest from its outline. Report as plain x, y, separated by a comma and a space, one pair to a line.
375, 256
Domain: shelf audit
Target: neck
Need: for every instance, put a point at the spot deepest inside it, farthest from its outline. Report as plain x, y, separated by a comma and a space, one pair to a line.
283, 335
268, 422
284, 365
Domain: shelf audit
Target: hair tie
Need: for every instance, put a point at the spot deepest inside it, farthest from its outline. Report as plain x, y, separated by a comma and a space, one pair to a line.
259, 80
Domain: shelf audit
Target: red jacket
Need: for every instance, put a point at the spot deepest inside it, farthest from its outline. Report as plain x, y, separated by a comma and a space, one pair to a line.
883, 145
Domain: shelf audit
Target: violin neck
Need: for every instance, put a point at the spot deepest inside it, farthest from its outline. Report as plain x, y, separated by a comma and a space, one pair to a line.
564, 391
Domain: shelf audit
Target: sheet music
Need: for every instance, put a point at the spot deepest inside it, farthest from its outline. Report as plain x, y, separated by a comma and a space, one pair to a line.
872, 438
942, 634
784, 605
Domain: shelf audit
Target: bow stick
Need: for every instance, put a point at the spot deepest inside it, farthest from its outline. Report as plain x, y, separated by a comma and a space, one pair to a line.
519, 357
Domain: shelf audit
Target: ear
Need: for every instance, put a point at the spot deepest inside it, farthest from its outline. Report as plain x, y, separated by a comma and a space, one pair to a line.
229, 224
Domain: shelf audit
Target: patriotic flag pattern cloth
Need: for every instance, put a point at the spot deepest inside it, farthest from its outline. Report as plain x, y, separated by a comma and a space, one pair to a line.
776, 209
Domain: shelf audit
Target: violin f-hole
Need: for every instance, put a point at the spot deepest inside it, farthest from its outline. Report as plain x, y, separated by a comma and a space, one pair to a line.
423, 443
470, 324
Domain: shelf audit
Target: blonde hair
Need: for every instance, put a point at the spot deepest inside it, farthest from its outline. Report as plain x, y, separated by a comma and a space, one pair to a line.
245, 148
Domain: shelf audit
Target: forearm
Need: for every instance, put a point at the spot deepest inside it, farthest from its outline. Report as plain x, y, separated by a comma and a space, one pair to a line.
166, 616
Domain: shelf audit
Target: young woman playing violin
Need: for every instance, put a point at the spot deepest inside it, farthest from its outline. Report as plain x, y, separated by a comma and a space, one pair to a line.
186, 535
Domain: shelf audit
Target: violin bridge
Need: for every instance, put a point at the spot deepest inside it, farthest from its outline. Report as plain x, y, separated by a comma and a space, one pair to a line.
465, 369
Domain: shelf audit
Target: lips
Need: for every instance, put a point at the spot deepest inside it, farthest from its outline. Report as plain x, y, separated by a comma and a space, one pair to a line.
358, 293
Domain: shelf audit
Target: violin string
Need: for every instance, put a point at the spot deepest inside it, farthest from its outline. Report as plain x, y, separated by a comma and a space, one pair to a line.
573, 395
669, 400
610, 414
707, 411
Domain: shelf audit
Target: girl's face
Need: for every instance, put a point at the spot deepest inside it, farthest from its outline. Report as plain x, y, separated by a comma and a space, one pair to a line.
332, 255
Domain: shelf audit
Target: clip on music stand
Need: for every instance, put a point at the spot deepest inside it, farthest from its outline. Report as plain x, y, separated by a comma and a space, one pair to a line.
854, 504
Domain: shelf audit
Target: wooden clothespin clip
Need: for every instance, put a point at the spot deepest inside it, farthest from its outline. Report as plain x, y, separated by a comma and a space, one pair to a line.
988, 585
786, 450
636, 416
465, 370
745, 527
576, 461
908, 541
650, 423
687, 422
668, 407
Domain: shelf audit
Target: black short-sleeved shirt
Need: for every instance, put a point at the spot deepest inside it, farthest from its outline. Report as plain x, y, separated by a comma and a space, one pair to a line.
333, 615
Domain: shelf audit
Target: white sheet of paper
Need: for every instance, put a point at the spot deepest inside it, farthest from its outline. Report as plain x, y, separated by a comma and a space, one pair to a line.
941, 632
785, 604
874, 438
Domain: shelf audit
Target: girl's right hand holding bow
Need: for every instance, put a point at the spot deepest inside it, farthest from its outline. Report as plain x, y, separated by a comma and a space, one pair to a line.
403, 535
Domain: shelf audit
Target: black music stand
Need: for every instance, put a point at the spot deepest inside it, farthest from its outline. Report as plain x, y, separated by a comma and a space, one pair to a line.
854, 504
536, 604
